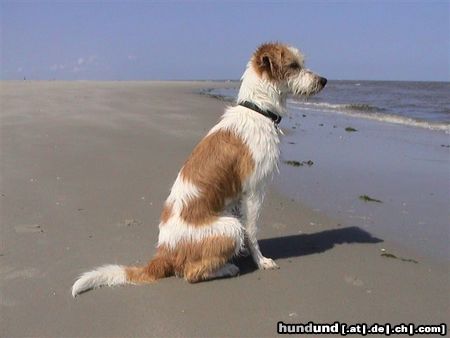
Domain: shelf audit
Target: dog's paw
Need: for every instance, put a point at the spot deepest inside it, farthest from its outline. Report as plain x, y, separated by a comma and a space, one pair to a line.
231, 270
267, 264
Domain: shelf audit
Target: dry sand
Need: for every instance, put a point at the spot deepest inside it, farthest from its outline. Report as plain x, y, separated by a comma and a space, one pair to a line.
85, 168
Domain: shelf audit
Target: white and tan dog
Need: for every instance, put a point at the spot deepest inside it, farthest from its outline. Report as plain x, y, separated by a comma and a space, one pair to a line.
211, 212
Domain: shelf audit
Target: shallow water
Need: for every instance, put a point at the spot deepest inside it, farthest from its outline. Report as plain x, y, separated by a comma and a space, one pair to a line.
407, 168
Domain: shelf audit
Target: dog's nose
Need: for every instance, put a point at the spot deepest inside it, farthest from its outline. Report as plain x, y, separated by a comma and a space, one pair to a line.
323, 81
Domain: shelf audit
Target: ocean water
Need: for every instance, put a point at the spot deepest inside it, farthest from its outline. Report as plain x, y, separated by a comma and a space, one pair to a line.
419, 104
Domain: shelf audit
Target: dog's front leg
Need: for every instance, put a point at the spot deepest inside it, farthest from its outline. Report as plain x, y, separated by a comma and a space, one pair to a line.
251, 205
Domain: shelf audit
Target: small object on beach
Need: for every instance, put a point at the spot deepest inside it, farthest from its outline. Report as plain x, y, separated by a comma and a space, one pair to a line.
353, 280
350, 129
294, 127
321, 124
445, 145
28, 228
131, 222
389, 255
291, 142
366, 198
293, 163
299, 164
303, 115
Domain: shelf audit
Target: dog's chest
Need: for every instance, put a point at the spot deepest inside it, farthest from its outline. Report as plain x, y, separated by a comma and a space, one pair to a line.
264, 146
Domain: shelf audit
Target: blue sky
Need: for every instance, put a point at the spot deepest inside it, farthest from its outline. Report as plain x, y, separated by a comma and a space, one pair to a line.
142, 40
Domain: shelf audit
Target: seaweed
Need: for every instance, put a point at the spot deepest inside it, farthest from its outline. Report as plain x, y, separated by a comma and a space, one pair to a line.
408, 260
208, 92
293, 163
366, 198
299, 164
350, 129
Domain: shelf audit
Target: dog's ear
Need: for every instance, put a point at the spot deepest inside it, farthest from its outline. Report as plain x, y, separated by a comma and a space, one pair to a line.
268, 60
267, 63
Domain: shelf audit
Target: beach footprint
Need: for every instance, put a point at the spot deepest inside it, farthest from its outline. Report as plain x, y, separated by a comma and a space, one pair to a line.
28, 228
9, 273
352, 280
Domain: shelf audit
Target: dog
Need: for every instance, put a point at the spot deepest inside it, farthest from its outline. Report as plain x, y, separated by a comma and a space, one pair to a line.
211, 213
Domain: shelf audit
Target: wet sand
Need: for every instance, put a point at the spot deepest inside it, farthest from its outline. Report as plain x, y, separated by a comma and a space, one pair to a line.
85, 168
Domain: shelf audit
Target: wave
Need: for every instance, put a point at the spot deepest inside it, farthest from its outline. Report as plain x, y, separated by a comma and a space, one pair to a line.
349, 106
370, 112
357, 110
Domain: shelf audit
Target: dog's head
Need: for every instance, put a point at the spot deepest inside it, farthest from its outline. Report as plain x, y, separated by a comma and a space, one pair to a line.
284, 67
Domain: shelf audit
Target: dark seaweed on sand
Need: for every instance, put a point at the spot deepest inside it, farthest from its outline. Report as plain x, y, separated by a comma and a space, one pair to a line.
293, 163
389, 255
366, 198
350, 129
299, 164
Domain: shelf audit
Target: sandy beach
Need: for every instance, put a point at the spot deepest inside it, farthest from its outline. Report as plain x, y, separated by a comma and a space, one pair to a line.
85, 169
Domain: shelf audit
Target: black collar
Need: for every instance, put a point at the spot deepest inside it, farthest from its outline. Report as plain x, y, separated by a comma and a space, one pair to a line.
267, 113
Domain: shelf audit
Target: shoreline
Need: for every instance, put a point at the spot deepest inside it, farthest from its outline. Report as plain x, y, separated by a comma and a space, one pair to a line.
85, 168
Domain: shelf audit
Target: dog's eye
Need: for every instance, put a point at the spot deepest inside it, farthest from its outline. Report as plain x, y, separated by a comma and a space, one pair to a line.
294, 65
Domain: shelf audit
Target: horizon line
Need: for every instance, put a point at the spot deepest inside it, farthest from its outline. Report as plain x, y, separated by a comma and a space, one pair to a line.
196, 80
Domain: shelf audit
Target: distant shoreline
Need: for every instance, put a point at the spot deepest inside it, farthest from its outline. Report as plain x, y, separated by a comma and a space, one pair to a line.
208, 80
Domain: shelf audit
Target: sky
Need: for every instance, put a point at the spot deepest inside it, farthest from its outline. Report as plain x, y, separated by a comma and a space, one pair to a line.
146, 40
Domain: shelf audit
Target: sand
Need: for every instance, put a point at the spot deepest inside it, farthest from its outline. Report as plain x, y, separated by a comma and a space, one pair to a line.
85, 168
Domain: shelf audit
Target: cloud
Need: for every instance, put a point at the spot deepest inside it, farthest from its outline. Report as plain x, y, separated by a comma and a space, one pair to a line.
80, 64
131, 57
92, 59
56, 67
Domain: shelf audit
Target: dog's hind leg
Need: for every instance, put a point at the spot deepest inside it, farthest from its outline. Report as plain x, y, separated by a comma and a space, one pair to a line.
208, 259
228, 270
200, 272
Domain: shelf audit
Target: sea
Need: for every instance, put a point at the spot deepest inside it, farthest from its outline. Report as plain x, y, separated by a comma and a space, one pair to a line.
418, 104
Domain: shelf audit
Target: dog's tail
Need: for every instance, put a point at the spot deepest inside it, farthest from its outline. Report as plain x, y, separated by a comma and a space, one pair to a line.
111, 275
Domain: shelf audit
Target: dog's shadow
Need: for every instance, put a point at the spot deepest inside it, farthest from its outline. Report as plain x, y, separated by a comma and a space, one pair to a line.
306, 244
